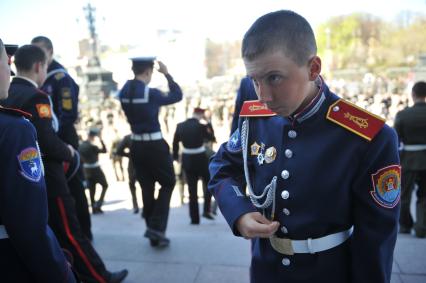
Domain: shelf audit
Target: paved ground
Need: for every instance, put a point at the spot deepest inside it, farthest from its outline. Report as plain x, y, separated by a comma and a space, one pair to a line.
201, 254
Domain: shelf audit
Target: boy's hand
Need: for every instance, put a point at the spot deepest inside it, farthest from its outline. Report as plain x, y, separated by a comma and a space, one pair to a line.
255, 225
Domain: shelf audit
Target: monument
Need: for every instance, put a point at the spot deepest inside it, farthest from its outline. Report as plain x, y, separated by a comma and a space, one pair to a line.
97, 81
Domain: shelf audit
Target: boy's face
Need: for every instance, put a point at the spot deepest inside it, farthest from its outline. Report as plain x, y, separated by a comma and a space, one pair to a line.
4, 74
280, 83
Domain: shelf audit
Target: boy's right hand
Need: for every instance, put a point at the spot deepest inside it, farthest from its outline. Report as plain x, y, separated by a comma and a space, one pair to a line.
255, 225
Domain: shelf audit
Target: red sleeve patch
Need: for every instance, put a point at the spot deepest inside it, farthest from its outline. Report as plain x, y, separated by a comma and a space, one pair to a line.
355, 119
44, 110
387, 186
254, 108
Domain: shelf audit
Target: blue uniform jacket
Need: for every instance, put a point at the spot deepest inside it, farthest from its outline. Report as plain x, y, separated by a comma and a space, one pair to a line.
142, 104
64, 92
25, 96
326, 183
31, 251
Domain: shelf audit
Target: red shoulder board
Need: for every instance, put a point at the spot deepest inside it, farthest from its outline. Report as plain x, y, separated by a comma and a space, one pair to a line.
254, 108
15, 112
355, 119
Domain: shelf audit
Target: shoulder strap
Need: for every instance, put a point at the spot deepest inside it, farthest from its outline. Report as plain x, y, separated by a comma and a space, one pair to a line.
355, 119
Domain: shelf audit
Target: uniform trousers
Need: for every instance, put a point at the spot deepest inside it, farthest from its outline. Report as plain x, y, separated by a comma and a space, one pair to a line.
65, 225
408, 179
153, 163
132, 183
196, 166
69, 135
96, 176
77, 191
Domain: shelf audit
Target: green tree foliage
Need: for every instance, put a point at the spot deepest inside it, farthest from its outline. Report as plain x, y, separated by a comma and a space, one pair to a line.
362, 40
221, 56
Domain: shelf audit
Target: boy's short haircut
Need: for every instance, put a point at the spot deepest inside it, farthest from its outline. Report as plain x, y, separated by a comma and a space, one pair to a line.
282, 30
419, 89
44, 40
27, 55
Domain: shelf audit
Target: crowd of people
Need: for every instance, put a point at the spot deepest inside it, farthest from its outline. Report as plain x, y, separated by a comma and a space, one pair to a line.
287, 164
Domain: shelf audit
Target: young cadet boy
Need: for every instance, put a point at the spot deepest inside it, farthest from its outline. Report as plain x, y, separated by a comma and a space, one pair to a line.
30, 251
31, 66
322, 175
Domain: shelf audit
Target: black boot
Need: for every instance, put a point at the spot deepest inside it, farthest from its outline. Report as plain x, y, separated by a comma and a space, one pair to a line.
117, 277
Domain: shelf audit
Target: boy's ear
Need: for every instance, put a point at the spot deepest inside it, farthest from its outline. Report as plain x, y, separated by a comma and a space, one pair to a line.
37, 66
314, 68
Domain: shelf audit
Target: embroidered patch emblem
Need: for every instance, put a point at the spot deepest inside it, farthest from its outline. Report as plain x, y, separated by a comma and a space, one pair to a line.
387, 186
30, 164
66, 92
59, 75
254, 148
234, 143
44, 110
67, 104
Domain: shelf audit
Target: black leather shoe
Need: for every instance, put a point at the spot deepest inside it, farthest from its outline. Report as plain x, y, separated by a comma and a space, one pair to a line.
156, 238
117, 277
208, 216
164, 242
404, 230
420, 234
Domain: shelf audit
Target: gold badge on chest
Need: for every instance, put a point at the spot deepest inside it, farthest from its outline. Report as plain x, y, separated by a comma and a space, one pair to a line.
255, 148
270, 154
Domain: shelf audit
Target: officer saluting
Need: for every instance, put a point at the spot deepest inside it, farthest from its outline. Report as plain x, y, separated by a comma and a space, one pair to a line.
29, 250
149, 151
192, 134
323, 175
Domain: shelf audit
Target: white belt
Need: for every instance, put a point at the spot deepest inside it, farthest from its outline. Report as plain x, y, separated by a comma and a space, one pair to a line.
290, 247
147, 136
91, 165
197, 150
3, 233
414, 147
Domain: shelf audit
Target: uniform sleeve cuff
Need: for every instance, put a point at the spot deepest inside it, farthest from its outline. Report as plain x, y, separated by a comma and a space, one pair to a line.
233, 207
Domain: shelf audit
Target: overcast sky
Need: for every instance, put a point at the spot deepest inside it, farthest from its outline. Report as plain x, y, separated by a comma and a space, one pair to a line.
131, 22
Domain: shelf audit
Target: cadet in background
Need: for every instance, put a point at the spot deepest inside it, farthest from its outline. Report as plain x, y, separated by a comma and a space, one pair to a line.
31, 65
30, 251
63, 92
410, 124
149, 151
92, 169
192, 133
